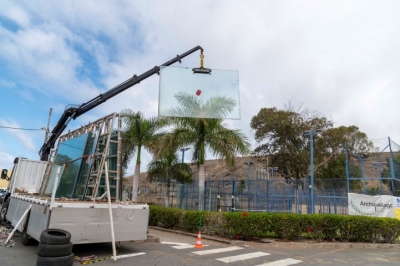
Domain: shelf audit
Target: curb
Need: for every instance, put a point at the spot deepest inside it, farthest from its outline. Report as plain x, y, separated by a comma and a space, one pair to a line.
150, 239
274, 242
203, 236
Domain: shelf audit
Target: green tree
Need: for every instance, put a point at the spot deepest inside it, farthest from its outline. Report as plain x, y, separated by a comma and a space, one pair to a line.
139, 133
335, 141
279, 134
166, 168
335, 172
205, 133
357, 142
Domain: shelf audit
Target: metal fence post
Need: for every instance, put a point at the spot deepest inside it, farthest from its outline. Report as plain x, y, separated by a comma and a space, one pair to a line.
267, 195
391, 165
233, 196
347, 168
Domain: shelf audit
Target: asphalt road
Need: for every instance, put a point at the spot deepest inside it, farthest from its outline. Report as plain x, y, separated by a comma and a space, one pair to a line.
252, 253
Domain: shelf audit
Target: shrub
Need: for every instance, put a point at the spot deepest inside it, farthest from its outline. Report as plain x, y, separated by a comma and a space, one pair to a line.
390, 229
286, 226
190, 220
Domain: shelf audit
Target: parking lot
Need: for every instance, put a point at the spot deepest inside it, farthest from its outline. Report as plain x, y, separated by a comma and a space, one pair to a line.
169, 248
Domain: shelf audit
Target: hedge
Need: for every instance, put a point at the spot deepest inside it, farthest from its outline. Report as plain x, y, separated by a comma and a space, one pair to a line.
285, 226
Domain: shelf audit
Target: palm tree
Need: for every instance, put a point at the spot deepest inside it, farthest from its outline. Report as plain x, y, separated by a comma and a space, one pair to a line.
205, 133
167, 167
139, 133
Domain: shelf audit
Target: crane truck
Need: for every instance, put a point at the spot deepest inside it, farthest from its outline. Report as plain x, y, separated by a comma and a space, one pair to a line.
77, 185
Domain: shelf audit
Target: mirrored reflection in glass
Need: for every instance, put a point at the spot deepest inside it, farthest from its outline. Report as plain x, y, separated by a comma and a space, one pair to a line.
184, 94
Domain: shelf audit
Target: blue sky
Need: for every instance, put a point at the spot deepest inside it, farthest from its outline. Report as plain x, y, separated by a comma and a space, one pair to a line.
338, 57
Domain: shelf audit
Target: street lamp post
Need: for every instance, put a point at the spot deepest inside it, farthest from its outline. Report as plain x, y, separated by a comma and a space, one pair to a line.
311, 134
46, 136
183, 153
250, 164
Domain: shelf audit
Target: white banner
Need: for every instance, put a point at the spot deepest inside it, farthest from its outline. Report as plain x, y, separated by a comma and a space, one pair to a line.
379, 206
396, 202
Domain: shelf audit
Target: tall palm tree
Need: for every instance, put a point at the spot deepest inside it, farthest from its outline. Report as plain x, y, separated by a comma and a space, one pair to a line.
205, 133
139, 133
167, 167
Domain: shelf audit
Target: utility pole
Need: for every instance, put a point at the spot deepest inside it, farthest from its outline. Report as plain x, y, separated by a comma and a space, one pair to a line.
311, 133
48, 124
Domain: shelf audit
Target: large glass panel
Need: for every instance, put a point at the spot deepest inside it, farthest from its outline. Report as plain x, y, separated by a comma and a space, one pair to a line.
50, 184
112, 165
185, 94
70, 153
86, 164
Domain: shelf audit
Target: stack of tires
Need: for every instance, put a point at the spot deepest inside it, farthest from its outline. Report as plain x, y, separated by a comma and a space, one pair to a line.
55, 248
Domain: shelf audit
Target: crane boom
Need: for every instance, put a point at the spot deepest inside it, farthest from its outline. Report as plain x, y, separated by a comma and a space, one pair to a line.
74, 112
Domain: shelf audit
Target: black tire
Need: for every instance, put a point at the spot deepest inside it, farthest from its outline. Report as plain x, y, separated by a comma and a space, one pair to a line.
45, 250
55, 261
55, 237
3, 210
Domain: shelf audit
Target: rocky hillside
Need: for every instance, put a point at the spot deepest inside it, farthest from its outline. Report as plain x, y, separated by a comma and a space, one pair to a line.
217, 169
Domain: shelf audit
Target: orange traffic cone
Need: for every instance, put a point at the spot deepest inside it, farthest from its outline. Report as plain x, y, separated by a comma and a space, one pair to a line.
198, 243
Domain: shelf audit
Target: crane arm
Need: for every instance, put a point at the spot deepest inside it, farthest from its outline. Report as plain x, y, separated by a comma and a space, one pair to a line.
74, 112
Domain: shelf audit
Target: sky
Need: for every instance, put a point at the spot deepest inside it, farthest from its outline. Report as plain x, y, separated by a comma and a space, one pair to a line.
341, 58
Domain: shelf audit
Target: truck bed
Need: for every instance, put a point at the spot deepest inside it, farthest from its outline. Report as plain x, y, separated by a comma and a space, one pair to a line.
87, 221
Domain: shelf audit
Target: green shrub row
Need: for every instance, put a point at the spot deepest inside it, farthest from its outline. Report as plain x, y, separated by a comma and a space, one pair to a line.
285, 226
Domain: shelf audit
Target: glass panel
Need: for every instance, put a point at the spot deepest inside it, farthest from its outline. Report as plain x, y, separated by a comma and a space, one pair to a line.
86, 164
184, 94
49, 188
112, 165
70, 152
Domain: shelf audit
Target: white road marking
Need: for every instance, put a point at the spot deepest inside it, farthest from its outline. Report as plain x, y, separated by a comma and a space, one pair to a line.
128, 255
217, 250
285, 262
175, 243
186, 246
243, 257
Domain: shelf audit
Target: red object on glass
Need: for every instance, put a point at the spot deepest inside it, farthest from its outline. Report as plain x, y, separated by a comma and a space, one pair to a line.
198, 92
244, 214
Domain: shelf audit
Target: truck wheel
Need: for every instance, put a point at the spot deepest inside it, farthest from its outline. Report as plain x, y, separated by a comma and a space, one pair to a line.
45, 250
55, 237
26, 239
55, 261
3, 210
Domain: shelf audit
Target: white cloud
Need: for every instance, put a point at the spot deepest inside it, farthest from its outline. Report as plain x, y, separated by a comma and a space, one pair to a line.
20, 135
6, 161
6, 84
339, 57
17, 14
